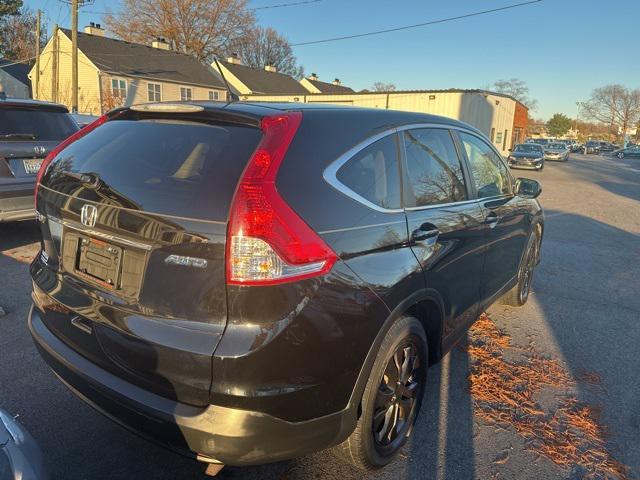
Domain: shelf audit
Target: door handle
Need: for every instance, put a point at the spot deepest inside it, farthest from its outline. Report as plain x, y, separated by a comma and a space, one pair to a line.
429, 236
492, 219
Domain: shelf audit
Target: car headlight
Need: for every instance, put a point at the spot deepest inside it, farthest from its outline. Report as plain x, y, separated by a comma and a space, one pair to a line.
512, 158
539, 159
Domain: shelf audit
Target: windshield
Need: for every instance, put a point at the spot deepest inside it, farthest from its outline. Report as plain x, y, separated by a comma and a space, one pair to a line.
21, 124
557, 146
529, 148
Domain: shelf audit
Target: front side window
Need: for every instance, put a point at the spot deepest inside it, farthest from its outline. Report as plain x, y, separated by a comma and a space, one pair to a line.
489, 172
186, 94
434, 171
373, 173
119, 88
154, 91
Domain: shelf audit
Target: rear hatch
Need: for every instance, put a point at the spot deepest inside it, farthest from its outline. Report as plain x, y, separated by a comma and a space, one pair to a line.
134, 244
28, 132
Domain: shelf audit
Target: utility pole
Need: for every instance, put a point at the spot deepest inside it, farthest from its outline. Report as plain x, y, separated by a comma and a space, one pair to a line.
74, 56
54, 66
37, 96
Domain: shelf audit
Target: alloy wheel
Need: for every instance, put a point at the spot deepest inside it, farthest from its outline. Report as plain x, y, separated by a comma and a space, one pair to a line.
398, 395
526, 272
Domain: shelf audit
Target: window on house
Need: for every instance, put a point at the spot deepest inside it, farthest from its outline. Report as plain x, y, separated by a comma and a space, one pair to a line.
214, 95
119, 88
499, 138
186, 94
154, 91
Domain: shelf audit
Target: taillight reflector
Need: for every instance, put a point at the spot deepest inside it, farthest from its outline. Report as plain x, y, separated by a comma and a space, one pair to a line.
267, 242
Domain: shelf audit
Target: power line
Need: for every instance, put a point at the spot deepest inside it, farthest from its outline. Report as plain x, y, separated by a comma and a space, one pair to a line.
266, 7
290, 4
407, 27
16, 62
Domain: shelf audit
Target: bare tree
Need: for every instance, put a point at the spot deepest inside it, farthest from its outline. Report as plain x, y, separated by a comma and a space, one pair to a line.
10, 7
383, 87
18, 36
202, 28
614, 105
518, 89
265, 46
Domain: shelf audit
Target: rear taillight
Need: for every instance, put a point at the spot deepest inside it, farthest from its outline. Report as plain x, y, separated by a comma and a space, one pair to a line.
267, 242
54, 153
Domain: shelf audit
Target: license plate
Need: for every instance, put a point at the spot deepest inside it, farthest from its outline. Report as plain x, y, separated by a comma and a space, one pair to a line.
32, 166
99, 260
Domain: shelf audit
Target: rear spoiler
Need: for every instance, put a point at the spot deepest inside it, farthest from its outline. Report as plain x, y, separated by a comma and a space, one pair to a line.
186, 111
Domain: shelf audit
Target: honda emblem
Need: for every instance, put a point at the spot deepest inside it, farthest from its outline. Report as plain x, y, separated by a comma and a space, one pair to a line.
89, 215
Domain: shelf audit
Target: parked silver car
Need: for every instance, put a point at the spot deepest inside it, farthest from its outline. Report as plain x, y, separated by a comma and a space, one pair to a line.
556, 151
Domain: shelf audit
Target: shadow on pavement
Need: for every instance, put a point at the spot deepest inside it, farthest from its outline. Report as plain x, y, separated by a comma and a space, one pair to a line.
588, 289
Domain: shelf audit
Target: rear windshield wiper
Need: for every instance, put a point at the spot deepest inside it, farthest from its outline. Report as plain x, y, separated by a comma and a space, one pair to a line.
28, 136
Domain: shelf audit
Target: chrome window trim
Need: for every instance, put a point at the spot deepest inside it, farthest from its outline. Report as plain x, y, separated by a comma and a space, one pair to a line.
442, 205
330, 173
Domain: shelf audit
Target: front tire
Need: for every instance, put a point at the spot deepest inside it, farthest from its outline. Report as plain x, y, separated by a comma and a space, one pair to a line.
519, 294
392, 397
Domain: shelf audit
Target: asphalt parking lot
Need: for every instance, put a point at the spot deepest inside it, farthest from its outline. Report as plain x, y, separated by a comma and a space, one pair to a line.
581, 328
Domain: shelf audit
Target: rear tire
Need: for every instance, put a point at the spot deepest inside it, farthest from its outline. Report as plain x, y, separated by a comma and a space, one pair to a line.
621, 155
519, 294
390, 407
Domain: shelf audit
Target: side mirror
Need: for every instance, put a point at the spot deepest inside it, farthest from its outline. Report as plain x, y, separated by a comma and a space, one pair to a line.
528, 188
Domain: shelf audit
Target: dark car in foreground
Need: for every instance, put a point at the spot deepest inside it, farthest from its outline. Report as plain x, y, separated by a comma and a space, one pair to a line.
29, 130
248, 283
630, 151
527, 155
556, 151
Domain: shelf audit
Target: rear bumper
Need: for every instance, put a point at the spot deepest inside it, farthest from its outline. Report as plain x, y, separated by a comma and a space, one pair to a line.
226, 435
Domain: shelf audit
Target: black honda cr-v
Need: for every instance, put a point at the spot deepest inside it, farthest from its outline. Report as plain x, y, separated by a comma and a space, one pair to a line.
255, 282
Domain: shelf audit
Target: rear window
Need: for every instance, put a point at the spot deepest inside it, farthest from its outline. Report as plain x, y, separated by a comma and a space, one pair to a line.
18, 124
169, 167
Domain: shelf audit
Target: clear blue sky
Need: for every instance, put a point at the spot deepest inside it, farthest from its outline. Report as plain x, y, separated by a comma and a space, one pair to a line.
562, 48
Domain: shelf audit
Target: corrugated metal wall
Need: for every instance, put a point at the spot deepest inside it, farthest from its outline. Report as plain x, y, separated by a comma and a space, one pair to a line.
484, 111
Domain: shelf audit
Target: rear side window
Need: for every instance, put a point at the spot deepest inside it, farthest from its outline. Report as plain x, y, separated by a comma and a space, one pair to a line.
20, 123
489, 172
434, 171
373, 173
170, 167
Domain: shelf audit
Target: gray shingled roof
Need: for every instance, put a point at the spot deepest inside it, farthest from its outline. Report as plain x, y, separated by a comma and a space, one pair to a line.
136, 60
19, 71
263, 82
325, 87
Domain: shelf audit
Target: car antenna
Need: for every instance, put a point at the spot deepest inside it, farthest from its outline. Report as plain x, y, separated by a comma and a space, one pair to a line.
232, 96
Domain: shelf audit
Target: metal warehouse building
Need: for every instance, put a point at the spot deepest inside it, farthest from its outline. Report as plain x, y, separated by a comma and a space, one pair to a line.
500, 117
